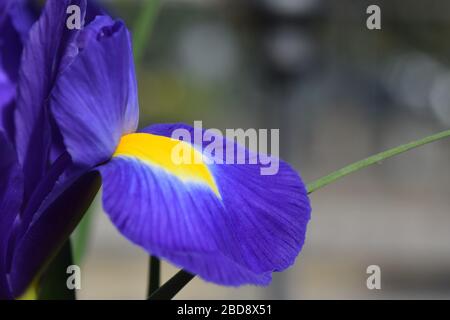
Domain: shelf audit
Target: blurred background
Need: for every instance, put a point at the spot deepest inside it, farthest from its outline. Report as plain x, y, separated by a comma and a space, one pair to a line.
338, 92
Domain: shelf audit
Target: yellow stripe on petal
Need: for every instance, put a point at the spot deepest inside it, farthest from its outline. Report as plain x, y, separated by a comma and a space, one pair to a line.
159, 151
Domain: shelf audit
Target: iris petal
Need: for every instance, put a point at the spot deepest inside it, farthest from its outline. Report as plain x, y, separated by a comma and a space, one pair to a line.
95, 100
7, 94
156, 151
55, 220
41, 62
15, 22
46, 219
11, 189
235, 231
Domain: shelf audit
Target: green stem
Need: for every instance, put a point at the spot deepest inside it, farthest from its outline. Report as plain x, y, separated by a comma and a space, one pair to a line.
80, 236
53, 281
143, 28
322, 182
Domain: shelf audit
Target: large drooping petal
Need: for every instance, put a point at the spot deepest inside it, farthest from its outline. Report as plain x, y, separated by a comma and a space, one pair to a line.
95, 100
11, 191
225, 222
42, 61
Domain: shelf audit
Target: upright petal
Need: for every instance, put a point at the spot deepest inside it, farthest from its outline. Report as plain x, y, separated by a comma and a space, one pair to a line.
41, 63
225, 222
46, 219
95, 100
93, 10
11, 191
15, 21
7, 95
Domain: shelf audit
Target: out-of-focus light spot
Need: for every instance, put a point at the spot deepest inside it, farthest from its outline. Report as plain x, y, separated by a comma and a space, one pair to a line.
289, 49
208, 52
291, 7
440, 98
410, 77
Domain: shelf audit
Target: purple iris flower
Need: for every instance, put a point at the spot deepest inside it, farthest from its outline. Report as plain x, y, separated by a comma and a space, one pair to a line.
76, 121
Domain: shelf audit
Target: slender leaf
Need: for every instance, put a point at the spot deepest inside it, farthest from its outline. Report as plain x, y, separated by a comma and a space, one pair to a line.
322, 182
143, 28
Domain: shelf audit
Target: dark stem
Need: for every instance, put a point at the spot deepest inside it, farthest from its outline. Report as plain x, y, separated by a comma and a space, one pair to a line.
154, 277
173, 286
